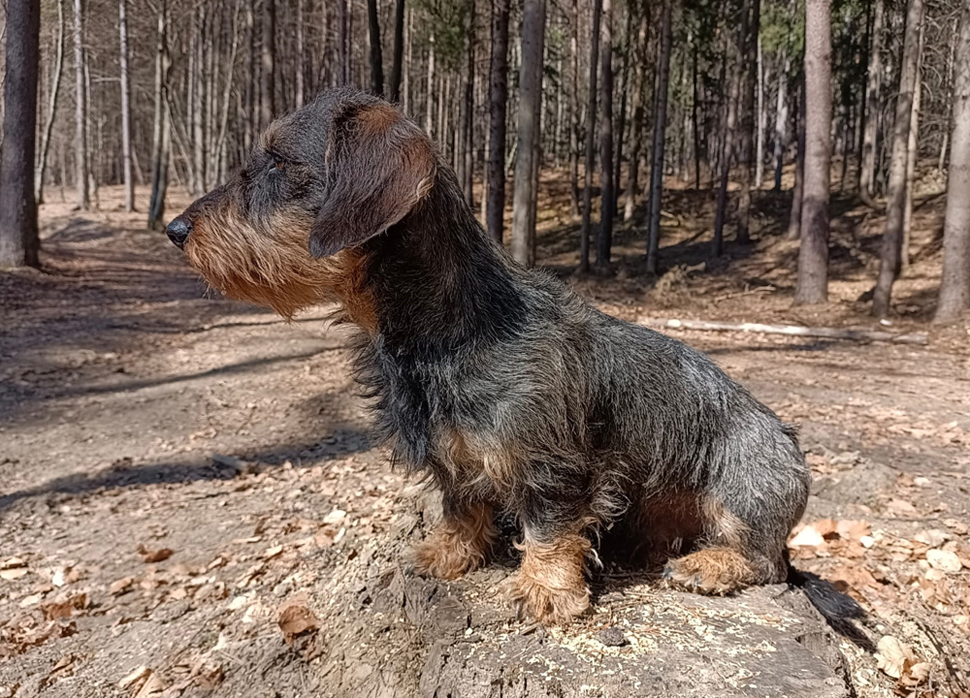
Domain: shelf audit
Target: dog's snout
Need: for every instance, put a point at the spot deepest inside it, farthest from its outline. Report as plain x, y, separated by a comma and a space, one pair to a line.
178, 231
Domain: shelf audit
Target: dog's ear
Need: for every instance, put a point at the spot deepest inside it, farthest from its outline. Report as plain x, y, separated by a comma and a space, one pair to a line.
380, 166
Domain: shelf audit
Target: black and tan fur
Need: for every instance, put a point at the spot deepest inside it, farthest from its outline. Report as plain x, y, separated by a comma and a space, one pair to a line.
504, 387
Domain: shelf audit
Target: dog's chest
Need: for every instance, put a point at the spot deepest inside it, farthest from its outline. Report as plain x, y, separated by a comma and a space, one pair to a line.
475, 465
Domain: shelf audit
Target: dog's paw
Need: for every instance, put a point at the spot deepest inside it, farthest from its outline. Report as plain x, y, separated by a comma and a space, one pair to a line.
542, 603
444, 557
713, 571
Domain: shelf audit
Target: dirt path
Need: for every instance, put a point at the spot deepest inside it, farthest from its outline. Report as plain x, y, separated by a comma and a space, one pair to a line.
173, 467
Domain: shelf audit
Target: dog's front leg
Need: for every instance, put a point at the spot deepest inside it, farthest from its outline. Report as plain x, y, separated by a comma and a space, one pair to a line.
460, 542
549, 586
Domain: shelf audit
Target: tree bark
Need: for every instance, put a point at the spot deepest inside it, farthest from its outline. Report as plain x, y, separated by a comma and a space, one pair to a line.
267, 77
624, 92
574, 113
636, 128
45, 140
893, 236
912, 155
867, 170
156, 206
80, 114
19, 241
659, 137
397, 65
590, 139
748, 122
759, 172
125, 108
376, 60
813, 254
343, 42
429, 113
468, 110
530, 96
730, 126
955, 284
795, 214
498, 95
300, 87
604, 238
781, 117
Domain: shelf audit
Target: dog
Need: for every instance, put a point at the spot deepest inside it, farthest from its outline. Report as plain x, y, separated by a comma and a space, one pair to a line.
498, 383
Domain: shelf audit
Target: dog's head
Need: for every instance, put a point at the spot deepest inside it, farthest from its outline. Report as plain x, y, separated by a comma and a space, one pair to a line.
285, 232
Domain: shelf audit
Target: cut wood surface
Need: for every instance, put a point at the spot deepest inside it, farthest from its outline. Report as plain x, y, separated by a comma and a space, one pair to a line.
793, 330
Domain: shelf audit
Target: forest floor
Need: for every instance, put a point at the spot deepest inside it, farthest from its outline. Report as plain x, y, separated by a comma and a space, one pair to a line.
187, 486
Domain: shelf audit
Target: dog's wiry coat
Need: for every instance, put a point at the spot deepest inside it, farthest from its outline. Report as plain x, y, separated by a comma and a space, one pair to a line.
498, 382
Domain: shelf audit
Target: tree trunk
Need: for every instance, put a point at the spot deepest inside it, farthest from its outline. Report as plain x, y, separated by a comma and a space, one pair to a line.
893, 237
955, 284
300, 87
125, 109
795, 214
759, 157
19, 241
748, 123
636, 128
912, 155
530, 95
624, 92
590, 140
730, 126
468, 110
80, 114
156, 206
604, 239
267, 77
813, 254
867, 169
659, 137
397, 65
249, 97
781, 118
45, 140
376, 61
343, 42
574, 113
429, 114
498, 95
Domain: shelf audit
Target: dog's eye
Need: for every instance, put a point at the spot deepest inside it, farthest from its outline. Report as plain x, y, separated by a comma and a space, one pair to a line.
277, 164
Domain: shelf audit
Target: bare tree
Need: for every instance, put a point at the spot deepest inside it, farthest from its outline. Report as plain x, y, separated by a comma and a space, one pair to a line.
892, 238
45, 140
376, 60
80, 114
19, 241
162, 128
795, 214
498, 95
659, 138
604, 240
955, 285
912, 153
125, 108
530, 94
590, 141
867, 168
730, 126
813, 255
748, 122
397, 65
267, 82
574, 112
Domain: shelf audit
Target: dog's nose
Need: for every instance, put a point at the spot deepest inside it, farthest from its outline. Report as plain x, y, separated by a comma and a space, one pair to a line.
178, 231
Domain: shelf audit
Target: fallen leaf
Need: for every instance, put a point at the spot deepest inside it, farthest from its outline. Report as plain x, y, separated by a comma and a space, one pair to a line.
918, 673
272, 552
944, 561
12, 563
148, 555
894, 658
11, 574
295, 620
807, 537
121, 586
335, 516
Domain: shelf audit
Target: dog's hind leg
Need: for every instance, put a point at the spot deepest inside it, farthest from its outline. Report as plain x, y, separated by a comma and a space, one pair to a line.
732, 556
459, 544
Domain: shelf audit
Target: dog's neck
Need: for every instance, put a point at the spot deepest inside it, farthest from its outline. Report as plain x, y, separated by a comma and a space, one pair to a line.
437, 281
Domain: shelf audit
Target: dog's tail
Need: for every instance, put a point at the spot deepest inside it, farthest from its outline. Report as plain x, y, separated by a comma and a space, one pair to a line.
838, 609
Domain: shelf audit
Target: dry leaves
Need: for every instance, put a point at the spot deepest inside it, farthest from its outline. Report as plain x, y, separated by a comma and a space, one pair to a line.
142, 682
148, 555
897, 660
295, 619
